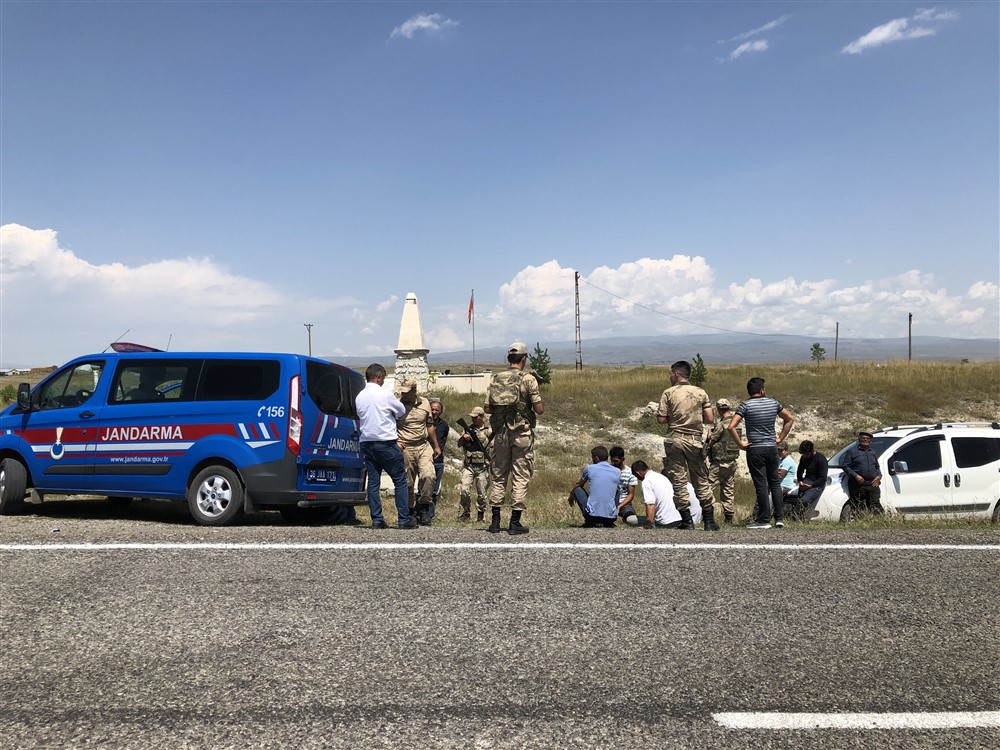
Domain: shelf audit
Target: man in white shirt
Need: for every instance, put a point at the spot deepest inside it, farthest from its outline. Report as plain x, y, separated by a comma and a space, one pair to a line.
378, 409
658, 495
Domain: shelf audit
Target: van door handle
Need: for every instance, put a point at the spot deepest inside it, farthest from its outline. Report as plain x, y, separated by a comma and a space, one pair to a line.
87, 414
947, 480
958, 480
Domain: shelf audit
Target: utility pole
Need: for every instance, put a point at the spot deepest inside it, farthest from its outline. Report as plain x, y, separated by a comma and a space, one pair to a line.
836, 342
309, 329
579, 349
909, 357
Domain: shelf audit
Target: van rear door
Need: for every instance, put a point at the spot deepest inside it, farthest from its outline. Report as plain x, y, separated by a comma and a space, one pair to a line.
331, 458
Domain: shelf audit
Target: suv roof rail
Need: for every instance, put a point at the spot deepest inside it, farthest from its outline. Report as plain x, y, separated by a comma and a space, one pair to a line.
939, 426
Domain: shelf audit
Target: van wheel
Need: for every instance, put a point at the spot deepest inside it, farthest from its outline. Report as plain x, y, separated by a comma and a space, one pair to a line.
215, 497
848, 513
13, 486
996, 513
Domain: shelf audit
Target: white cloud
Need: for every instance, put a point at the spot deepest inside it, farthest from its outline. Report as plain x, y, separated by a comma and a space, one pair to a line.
760, 29
900, 29
433, 23
386, 304
758, 46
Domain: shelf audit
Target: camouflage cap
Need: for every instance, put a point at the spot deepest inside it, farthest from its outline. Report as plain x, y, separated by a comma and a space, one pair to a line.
406, 385
477, 411
723, 403
517, 347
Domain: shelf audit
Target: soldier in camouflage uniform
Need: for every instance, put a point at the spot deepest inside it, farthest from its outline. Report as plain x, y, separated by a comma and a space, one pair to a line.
475, 466
685, 409
722, 460
513, 403
418, 440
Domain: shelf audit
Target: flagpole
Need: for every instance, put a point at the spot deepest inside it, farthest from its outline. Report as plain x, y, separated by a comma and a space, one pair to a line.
472, 319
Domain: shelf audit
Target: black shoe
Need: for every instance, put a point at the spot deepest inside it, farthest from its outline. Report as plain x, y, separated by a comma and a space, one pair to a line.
708, 518
686, 522
411, 523
424, 514
495, 522
480, 517
515, 524
380, 525
729, 518
466, 517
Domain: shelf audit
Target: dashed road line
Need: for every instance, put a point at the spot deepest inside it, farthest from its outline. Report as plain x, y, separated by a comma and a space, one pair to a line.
916, 720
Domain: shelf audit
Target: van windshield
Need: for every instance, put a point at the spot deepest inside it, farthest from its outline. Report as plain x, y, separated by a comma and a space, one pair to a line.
880, 443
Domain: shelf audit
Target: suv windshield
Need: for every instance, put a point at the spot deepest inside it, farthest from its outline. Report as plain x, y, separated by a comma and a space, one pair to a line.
880, 443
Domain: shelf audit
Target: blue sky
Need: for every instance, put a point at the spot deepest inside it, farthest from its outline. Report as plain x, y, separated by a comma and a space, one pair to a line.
217, 174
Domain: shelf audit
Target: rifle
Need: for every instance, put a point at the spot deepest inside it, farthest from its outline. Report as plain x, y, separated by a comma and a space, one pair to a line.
477, 444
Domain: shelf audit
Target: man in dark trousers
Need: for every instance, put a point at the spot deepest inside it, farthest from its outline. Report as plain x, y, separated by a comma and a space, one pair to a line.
864, 475
811, 475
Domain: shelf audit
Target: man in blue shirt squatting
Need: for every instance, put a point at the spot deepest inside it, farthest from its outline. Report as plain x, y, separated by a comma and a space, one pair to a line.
598, 505
378, 410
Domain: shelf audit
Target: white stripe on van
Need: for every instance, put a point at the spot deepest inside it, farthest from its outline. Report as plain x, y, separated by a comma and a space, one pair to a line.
244, 431
264, 432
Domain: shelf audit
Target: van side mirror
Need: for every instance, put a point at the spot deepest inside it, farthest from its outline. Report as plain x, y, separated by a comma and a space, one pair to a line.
24, 396
899, 467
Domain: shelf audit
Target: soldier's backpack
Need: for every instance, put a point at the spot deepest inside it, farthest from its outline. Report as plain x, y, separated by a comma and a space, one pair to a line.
505, 396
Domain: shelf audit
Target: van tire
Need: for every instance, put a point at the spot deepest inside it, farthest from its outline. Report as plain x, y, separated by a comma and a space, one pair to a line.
996, 512
13, 486
847, 513
215, 496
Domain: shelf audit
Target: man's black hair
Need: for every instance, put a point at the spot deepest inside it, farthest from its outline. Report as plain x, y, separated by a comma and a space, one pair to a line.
755, 386
617, 452
806, 446
639, 466
682, 368
375, 370
600, 453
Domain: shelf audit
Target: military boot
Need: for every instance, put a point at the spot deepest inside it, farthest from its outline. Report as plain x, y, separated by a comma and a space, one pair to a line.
424, 514
515, 524
686, 522
495, 522
728, 518
480, 517
708, 517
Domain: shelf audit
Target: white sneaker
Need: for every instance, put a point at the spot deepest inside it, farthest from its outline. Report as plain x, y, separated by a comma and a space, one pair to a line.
759, 525
779, 524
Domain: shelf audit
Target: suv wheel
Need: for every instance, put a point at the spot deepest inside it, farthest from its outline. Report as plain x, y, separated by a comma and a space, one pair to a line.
848, 513
13, 486
215, 497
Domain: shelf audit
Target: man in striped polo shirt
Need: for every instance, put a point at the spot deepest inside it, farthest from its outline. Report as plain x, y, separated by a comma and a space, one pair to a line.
761, 445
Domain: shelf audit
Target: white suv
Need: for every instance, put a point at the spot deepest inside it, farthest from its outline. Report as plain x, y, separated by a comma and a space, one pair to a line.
940, 470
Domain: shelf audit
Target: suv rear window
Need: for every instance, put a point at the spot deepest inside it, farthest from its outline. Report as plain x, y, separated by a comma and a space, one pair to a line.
333, 389
238, 380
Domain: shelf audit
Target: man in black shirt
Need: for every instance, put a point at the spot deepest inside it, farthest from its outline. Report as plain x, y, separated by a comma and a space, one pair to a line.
811, 475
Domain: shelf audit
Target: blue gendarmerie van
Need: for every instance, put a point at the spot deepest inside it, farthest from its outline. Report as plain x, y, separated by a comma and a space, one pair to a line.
226, 432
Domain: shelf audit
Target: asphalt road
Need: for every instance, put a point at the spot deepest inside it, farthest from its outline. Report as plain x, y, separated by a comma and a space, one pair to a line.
442, 638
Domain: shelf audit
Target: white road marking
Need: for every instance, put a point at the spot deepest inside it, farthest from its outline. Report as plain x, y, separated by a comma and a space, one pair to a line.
95, 546
936, 720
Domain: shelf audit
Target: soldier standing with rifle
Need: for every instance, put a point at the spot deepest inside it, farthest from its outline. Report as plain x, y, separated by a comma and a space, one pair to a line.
722, 455
475, 442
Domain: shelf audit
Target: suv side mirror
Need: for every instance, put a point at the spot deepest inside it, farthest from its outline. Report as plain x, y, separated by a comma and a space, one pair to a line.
899, 467
24, 396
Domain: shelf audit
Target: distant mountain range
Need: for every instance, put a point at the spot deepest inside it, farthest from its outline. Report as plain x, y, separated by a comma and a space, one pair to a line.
721, 348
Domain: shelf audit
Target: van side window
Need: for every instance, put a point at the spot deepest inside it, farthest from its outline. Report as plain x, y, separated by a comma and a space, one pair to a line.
921, 455
333, 389
149, 381
239, 380
975, 451
71, 387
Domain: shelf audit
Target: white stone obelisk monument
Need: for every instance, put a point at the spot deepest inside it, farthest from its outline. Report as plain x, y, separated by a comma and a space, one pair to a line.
411, 354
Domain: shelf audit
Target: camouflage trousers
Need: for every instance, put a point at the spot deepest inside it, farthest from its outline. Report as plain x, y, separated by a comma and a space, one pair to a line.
684, 462
419, 463
723, 476
478, 477
513, 459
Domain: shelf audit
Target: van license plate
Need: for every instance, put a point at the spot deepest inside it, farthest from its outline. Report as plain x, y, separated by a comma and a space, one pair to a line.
321, 475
